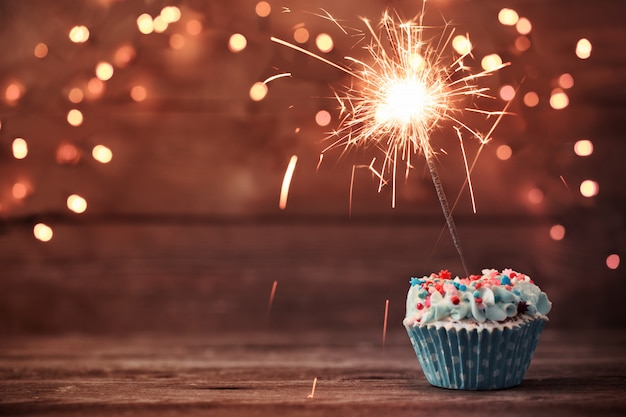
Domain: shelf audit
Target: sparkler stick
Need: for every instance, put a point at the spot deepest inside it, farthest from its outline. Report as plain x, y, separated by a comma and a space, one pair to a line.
401, 95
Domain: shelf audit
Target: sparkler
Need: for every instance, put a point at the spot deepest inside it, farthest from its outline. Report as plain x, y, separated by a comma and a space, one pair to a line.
401, 95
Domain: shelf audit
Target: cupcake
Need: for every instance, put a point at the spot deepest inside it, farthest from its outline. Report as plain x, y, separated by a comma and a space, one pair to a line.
475, 333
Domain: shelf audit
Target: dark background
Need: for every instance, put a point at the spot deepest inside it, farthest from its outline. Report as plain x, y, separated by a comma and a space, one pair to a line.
183, 232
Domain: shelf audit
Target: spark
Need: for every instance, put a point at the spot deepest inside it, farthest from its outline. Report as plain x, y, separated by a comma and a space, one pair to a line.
274, 77
312, 394
405, 89
284, 190
271, 300
385, 323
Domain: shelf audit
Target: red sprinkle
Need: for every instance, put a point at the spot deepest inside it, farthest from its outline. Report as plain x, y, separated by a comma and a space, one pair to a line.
445, 274
478, 300
420, 306
455, 300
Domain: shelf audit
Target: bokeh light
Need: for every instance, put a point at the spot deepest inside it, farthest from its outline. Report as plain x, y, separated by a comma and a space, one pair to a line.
75, 117
41, 50
507, 92
67, 154
583, 147
194, 27
42, 232
324, 42
102, 154
75, 95
79, 34
531, 99
323, 118
461, 45
159, 24
301, 35
535, 196
258, 91
589, 188
237, 43
76, 203
613, 261
124, 55
558, 99
138, 93
263, 9
170, 14
522, 43
14, 92
583, 48
20, 148
95, 86
104, 71
523, 26
177, 41
145, 24
504, 152
557, 232
491, 62
566, 81
508, 17
19, 190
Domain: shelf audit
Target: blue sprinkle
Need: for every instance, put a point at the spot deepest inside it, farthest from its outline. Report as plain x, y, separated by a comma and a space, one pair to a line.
423, 294
505, 280
462, 287
476, 294
414, 281
497, 298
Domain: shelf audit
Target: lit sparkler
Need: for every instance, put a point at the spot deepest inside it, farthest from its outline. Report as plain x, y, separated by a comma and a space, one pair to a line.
403, 93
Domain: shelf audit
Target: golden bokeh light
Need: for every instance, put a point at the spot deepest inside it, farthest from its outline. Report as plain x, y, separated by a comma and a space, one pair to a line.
41, 50
522, 43
102, 154
194, 27
13, 92
504, 152
523, 26
557, 232
535, 196
462, 45
583, 48
177, 41
76, 203
145, 24
258, 91
589, 188
42, 232
566, 81
170, 14
19, 148
301, 34
324, 42
508, 17
95, 86
583, 147
613, 261
75, 95
323, 118
67, 154
531, 99
124, 55
104, 70
79, 34
507, 92
491, 62
558, 99
159, 24
19, 190
237, 43
75, 117
263, 9
138, 93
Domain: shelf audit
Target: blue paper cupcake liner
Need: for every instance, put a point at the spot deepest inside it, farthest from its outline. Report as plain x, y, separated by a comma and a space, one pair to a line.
476, 359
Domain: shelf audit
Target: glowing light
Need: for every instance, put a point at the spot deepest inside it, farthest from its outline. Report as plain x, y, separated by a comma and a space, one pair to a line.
462, 45
523, 26
557, 232
508, 17
177, 41
159, 25
124, 55
531, 99
522, 43
566, 81
558, 99
535, 196
102, 154
263, 9
145, 24
589, 188
507, 92
324, 42
13, 92
583, 147
258, 91
194, 27
95, 86
42, 232
138, 93
19, 190
322, 118
583, 48
76, 203
504, 152
170, 14
20, 148
301, 35
491, 62
75, 95
75, 117
67, 154
41, 50
237, 43
284, 189
613, 261
104, 71
79, 34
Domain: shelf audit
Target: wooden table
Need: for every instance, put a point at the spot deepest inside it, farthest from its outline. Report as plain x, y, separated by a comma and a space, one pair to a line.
272, 373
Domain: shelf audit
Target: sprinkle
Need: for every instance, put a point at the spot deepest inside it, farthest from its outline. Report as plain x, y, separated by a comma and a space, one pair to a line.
419, 306
455, 300
462, 287
505, 280
478, 300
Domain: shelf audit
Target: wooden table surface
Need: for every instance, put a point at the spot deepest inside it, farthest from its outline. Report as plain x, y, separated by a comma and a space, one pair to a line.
272, 372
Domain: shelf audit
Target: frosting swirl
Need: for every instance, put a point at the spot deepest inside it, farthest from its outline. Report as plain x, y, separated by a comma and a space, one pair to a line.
494, 296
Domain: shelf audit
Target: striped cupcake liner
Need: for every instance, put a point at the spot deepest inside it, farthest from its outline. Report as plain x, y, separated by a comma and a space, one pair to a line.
476, 359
